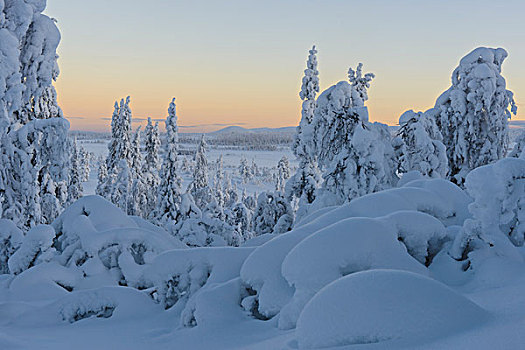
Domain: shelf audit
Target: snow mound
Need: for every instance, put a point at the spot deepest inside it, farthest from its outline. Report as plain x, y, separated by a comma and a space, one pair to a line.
382, 306
347, 247
95, 235
176, 278
261, 273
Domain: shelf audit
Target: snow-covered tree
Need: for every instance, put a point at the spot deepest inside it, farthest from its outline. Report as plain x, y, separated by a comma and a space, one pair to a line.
199, 187
150, 169
138, 198
34, 155
119, 149
283, 173
519, 147
307, 177
74, 186
244, 170
273, 214
102, 177
218, 182
308, 93
169, 195
473, 113
356, 156
239, 218
421, 148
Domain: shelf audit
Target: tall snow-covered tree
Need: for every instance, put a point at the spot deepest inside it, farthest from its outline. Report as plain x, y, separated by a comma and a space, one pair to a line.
421, 148
473, 113
150, 169
306, 180
138, 196
119, 149
169, 196
199, 187
34, 157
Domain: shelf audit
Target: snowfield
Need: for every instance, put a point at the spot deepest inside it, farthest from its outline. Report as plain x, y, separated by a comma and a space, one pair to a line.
339, 279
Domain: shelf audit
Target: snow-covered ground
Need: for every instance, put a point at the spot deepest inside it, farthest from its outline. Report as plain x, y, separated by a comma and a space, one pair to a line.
231, 160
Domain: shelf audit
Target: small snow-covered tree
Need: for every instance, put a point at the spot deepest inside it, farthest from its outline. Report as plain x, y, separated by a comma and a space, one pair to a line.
169, 195
283, 173
75, 182
473, 113
199, 187
244, 170
421, 148
273, 214
102, 177
121, 190
519, 147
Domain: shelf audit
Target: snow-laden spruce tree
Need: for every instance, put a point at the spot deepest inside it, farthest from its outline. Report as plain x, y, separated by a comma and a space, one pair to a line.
308, 93
473, 113
420, 145
74, 187
199, 186
119, 149
244, 170
138, 196
218, 183
306, 180
151, 165
102, 176
169, 195
356, 156
34, 153
283, 174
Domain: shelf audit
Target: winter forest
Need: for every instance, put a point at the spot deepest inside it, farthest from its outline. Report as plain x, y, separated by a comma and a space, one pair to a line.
341, 233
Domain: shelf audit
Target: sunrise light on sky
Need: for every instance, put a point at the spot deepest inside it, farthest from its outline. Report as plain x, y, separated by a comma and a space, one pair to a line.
241, 62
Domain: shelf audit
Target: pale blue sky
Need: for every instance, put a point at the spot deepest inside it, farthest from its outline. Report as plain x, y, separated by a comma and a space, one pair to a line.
242, 61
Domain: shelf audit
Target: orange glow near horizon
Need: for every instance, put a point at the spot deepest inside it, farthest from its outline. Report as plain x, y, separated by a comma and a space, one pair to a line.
244, 66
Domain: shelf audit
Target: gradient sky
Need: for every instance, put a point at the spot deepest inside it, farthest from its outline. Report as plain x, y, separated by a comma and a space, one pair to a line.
241, 62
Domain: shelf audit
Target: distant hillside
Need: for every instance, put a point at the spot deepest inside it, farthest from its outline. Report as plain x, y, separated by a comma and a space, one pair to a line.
239, 129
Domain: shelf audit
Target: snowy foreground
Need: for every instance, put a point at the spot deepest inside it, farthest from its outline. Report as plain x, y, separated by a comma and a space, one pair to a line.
375, 273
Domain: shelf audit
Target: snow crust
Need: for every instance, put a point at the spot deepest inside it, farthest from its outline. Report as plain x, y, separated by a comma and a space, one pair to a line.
384, 306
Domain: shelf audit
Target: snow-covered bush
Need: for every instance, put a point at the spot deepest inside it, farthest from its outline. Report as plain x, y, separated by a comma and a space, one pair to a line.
176, 278
473, 113
384, 307
36, 248
421, 148
95, 236
11, 239
498, 209
272, 214
209, 229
